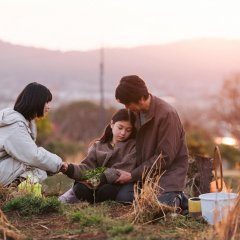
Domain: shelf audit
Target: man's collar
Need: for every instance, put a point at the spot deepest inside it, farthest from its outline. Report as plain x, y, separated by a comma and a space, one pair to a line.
150, 112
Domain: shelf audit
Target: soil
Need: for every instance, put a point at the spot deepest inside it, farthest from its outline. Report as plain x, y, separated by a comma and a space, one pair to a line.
58, 226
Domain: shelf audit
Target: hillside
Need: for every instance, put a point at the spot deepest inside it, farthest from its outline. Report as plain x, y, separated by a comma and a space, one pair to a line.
191, 69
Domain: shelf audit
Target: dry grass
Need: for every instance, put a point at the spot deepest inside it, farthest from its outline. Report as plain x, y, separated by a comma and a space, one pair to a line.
8, 193
146, 207
7, 231
5, 194
230, 227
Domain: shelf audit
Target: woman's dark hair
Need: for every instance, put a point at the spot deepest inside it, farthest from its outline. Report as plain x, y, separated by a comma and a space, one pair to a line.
131, 89
120, 115
31, 101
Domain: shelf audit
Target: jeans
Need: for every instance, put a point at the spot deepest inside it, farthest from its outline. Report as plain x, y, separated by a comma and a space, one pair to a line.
123, 193
103, 193
126, 193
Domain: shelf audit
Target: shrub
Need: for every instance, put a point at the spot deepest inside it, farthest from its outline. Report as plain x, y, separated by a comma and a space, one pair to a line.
230, 153
199, 142
64, 148
31, 205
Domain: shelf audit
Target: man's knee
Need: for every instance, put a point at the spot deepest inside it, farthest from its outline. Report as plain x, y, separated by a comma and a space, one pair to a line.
125, 194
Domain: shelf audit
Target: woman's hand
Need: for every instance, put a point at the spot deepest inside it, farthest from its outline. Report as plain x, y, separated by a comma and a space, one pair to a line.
124, 177
64, 167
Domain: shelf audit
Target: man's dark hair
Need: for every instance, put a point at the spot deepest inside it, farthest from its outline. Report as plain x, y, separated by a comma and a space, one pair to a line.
31, 101
131, 89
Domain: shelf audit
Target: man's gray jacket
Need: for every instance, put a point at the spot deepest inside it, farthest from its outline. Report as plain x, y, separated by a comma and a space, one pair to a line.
162, 133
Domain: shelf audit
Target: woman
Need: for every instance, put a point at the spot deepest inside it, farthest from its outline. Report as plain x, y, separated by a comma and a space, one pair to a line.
115, 151
19, 155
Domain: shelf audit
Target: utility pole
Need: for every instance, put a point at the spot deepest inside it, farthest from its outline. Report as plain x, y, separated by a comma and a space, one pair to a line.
101, 81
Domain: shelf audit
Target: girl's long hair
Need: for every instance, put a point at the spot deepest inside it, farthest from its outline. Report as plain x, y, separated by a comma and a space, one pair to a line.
120, 115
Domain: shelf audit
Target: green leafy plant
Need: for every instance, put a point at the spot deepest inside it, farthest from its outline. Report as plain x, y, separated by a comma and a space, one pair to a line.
93, 176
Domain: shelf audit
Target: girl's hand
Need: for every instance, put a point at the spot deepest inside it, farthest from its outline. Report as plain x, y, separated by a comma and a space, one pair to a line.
64, 167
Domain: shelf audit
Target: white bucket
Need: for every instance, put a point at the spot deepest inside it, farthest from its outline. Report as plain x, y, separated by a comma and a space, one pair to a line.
215, 206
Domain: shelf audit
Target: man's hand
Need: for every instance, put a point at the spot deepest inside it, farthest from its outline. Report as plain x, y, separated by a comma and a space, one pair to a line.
64, 167
124, 177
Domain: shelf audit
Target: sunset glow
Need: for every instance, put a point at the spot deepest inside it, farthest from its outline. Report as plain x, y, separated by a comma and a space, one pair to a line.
88, 24
226, 140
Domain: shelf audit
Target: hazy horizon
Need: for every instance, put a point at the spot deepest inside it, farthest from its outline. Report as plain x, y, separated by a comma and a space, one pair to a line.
85, 25
187, 70
202, 39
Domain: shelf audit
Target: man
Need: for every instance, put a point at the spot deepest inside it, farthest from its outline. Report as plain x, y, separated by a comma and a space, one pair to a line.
159, 132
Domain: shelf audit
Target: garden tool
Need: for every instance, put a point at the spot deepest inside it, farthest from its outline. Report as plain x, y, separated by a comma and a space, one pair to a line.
218, 185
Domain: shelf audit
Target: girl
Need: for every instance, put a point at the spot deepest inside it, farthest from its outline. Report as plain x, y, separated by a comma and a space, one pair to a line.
19, 155
115, 151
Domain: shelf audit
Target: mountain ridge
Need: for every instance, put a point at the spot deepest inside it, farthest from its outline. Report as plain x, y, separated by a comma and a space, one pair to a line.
188, 69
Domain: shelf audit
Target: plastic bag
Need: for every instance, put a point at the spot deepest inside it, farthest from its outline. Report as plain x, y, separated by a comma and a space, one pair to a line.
30, 185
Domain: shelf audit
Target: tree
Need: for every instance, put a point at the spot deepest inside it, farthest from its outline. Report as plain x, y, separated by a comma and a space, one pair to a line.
70, 128
231, 154
227, 107
55, 142
44, 130
199, 140
79, 121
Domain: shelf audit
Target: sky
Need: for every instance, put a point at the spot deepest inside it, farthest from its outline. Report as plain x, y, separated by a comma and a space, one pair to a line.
90, 24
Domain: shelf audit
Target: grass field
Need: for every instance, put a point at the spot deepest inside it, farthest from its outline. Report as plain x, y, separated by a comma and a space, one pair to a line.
108, 220
104, 221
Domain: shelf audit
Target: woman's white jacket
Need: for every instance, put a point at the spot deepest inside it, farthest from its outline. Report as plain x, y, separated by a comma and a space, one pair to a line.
19, 154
